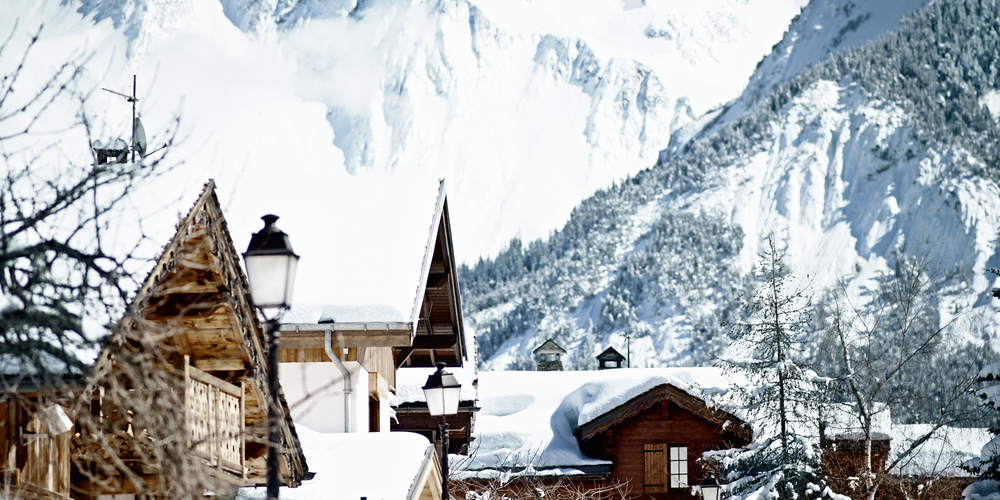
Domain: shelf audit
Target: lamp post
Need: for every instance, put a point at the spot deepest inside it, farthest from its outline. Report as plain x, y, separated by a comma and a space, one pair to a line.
442, 392
271, 267
710, 488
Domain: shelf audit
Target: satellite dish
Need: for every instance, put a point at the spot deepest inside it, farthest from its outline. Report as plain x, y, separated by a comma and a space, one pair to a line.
139, 139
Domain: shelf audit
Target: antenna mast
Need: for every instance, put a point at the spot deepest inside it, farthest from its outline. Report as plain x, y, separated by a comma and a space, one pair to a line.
132, 99
133, 118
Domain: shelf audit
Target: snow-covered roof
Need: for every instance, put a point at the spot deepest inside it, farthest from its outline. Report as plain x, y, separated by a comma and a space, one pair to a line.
410, 383
842, 421
549, 347
940, 455
364, 249
376, 465
529, 418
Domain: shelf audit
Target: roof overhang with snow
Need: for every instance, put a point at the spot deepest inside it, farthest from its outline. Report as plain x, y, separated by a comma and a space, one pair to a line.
379, 269
656, 395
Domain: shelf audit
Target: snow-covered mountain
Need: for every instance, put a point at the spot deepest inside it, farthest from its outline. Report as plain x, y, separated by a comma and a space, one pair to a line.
876, 154
525, 107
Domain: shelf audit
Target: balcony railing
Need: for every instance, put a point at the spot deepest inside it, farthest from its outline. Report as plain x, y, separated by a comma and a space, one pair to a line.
215, 420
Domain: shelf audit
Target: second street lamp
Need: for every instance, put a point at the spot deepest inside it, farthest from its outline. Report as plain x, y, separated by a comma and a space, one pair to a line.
442, 392
710, 487
271, 265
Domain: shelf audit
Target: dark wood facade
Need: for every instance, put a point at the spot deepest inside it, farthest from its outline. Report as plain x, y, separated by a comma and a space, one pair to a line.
439, 332
655, 441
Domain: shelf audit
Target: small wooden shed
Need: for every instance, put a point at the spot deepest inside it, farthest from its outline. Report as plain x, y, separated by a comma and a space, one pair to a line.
656, 439
610, 358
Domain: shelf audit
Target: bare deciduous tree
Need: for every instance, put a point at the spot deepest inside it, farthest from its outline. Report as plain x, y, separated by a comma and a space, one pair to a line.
890, 351
67, 276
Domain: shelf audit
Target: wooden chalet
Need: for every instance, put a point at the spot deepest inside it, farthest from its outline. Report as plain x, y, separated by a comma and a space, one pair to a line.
378, 322
194, 326
655, 441
641, 430
932, 469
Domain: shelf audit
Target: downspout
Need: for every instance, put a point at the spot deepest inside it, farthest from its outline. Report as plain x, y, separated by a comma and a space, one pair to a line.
327, 344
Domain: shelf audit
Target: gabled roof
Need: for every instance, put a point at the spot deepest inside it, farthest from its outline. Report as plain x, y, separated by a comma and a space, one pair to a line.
378, 269
664, 392
538, 416
368, 254
549, 347
610, 354
198, 297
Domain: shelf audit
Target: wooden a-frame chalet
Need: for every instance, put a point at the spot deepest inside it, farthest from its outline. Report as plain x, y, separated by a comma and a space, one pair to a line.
194, 310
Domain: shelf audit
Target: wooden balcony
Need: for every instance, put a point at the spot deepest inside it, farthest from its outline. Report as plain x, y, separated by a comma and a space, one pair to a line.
214, 417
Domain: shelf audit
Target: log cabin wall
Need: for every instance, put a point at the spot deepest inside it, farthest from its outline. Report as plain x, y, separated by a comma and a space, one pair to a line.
379, 360
654, 441
198, 299
642, 450
34, 463
843, 460
195, 303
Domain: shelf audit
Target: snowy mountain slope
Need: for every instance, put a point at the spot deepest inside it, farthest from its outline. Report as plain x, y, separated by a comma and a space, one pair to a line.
507, 100
849, 171
823, 28
504, 99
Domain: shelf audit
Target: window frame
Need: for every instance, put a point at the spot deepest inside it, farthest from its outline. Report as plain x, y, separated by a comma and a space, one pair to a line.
682, 459
662, 467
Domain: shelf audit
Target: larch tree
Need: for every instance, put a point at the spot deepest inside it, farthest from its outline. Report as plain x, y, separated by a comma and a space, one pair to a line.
778, 394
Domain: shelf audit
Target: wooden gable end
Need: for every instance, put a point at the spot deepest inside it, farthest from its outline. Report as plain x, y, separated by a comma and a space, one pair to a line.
661, 397
439, 330
656, 439
197, 300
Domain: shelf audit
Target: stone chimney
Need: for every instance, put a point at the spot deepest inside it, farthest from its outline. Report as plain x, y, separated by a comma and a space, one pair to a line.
550, 353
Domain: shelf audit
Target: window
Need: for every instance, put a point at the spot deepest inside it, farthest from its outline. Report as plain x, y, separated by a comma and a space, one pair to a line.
665, 467
678, 467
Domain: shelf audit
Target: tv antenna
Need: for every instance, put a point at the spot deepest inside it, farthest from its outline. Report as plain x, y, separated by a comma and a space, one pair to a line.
138, 132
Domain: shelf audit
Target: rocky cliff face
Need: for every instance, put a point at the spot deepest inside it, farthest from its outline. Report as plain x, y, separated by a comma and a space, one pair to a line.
853, 169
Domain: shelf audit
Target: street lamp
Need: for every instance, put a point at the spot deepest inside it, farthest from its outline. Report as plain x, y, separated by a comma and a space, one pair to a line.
442, 392
710, 488
271, 266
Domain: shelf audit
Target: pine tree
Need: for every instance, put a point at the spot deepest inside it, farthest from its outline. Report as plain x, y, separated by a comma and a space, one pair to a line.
778, 393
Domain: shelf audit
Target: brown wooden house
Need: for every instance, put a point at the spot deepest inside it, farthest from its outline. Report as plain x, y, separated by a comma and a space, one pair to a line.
641, 430
193, 329
655, 441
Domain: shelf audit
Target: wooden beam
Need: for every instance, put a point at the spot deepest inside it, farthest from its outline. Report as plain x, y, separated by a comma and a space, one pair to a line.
346, 335
218, 365
226, 387
401, 356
